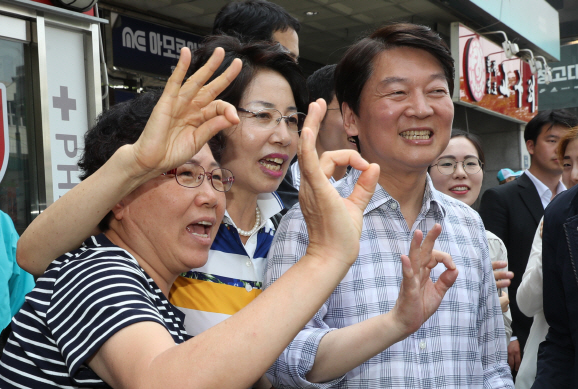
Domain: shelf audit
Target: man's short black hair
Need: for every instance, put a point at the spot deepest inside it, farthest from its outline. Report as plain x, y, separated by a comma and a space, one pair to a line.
549, 118
321, 84
356, 66
253, 20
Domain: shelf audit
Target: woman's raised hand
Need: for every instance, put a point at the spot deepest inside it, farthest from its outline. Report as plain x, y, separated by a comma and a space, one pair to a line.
333, 223
186, 116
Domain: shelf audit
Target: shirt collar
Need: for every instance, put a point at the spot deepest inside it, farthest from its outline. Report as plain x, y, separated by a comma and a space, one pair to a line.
269, 204
543, 191
432, 199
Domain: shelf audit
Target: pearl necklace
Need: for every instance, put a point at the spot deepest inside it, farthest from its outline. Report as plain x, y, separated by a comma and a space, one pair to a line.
255, 227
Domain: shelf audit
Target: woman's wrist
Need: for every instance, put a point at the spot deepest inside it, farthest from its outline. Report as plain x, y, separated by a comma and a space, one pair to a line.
133, 173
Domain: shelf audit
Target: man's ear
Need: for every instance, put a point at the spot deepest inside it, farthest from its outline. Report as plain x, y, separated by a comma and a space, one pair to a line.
118, 210
350, 120
530, 146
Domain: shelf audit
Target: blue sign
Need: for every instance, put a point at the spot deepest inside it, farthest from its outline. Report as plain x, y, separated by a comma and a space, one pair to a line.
146, 47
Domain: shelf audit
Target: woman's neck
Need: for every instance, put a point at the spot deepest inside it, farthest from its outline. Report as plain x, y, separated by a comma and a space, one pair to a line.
152, 265
241, 206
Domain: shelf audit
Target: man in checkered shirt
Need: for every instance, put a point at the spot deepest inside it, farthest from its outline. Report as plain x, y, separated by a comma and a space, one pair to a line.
394, 88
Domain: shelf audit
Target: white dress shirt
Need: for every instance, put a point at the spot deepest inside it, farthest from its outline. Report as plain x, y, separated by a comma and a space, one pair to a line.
543, 191
531, 303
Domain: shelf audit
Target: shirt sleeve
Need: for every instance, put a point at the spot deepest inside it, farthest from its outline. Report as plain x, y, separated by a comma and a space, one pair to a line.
92, 300
529, 295
491, 334
289, 370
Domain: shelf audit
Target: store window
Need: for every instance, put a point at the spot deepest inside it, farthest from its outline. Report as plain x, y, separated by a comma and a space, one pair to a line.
19, 186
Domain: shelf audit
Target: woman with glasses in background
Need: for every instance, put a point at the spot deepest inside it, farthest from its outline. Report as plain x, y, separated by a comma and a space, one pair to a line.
458, 172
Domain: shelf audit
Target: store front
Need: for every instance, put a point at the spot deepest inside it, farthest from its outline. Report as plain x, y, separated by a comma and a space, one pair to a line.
495, 95
50, 94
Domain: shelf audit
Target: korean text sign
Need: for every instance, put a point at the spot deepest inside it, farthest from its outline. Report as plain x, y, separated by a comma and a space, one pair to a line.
146, 47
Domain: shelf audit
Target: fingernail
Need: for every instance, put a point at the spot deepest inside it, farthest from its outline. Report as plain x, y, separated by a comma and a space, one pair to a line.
510, 274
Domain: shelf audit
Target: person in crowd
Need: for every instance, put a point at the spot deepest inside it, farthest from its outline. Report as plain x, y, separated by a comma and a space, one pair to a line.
530, 291
332, 136
261, 20
15, 282
513, 211
394, 88
270, 96
557, 365
85, 322
507, 175
458, 172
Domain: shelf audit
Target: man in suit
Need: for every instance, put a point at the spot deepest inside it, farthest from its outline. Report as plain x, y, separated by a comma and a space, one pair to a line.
513, 211
558, 354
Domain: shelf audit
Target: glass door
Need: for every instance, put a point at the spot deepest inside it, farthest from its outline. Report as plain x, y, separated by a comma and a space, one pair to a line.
19, 187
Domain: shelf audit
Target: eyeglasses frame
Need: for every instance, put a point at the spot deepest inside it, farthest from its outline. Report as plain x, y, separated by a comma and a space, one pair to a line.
463, 166
283, 117
208, 175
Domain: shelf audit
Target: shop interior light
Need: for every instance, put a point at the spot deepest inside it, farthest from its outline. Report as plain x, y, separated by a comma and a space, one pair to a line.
547, 70
75, 5
532, 61
510, 48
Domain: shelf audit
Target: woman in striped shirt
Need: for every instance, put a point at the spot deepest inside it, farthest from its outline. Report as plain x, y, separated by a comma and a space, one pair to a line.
100, 316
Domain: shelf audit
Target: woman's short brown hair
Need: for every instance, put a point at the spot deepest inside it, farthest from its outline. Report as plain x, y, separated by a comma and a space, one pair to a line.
568, 137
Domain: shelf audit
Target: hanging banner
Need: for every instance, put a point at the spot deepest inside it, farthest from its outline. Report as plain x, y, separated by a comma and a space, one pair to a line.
4, 132
147, 47
489, 80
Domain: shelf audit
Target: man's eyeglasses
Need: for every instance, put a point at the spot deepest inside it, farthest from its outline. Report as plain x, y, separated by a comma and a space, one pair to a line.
447, 166
270, 118
191, 175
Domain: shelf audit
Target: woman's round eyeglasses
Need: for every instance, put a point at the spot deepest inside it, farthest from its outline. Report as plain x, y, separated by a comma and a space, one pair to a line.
270, 118
447, 166
191, 175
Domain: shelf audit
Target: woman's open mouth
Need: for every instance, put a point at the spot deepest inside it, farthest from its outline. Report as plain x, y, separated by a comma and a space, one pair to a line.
273, 164
201, 229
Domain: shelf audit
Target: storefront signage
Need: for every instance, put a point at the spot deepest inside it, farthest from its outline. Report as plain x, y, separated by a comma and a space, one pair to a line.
490, 80
562, 92
68, 106
4, 131
146, 47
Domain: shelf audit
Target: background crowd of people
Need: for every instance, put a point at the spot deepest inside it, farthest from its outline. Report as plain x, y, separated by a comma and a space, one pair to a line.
197, 252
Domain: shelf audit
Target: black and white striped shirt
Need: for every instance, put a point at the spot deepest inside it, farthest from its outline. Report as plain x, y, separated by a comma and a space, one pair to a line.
83, 298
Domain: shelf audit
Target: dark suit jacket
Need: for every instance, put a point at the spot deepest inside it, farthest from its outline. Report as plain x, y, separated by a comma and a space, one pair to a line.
513, 211
558, 354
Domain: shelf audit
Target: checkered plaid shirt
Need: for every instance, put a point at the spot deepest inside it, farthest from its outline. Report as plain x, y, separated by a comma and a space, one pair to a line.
462, 345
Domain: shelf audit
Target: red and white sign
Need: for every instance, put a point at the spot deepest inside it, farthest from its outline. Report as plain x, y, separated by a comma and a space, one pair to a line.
489, 80
4, 132
475, 68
